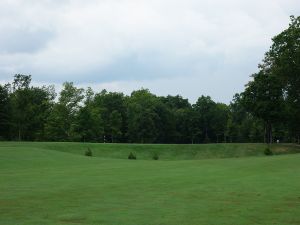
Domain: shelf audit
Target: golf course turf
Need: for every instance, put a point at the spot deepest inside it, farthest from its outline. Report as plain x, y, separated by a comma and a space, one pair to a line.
54, 183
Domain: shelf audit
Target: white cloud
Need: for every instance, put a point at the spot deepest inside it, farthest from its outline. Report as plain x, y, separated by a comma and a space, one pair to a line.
132, 42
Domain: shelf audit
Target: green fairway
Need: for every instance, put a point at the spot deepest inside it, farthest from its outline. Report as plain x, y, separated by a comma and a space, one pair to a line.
43, 184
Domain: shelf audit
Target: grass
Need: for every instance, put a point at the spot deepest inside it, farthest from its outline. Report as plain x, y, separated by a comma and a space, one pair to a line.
164, 151
39, 185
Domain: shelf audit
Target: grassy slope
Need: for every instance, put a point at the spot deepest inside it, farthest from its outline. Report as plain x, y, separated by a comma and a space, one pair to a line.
165, 152
39, 186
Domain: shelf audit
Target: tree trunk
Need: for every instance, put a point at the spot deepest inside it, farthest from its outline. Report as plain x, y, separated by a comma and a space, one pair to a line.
19, 133
265, 134
268, 133
271, 134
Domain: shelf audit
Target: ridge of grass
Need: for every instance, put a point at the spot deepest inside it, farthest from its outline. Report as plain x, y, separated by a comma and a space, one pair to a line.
164, 151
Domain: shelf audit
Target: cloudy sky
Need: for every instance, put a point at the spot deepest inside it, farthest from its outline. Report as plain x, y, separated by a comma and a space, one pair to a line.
186, 47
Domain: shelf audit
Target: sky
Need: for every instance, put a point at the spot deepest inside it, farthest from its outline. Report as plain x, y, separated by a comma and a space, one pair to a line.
185, 47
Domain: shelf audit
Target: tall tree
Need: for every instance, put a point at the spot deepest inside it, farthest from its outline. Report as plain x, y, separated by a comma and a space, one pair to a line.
112, 108
61, 124
41, 101
204, 110
263, 97
21, 103
142, 116
89, 122
283, 60
5, 112
179, 119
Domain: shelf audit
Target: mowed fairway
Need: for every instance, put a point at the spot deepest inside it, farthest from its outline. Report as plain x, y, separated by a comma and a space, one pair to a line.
40, 186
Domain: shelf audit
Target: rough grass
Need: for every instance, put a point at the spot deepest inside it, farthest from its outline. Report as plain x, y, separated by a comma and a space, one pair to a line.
42, 186
164, 151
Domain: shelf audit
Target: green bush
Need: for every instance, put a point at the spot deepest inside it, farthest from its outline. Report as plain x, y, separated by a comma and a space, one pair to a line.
268, 151
155, 156
88, 152
131, 156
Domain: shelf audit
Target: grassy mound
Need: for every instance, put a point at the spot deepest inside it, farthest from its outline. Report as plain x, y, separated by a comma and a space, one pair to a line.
163, 151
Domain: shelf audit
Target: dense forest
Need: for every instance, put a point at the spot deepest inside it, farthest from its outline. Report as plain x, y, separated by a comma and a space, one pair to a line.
267, 110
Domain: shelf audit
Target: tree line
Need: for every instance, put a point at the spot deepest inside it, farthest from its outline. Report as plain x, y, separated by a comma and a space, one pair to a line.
268, 109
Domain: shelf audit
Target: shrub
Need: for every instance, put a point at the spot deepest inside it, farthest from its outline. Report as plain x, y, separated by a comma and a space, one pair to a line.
268, 151
155, 156
88, 152
131, 156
